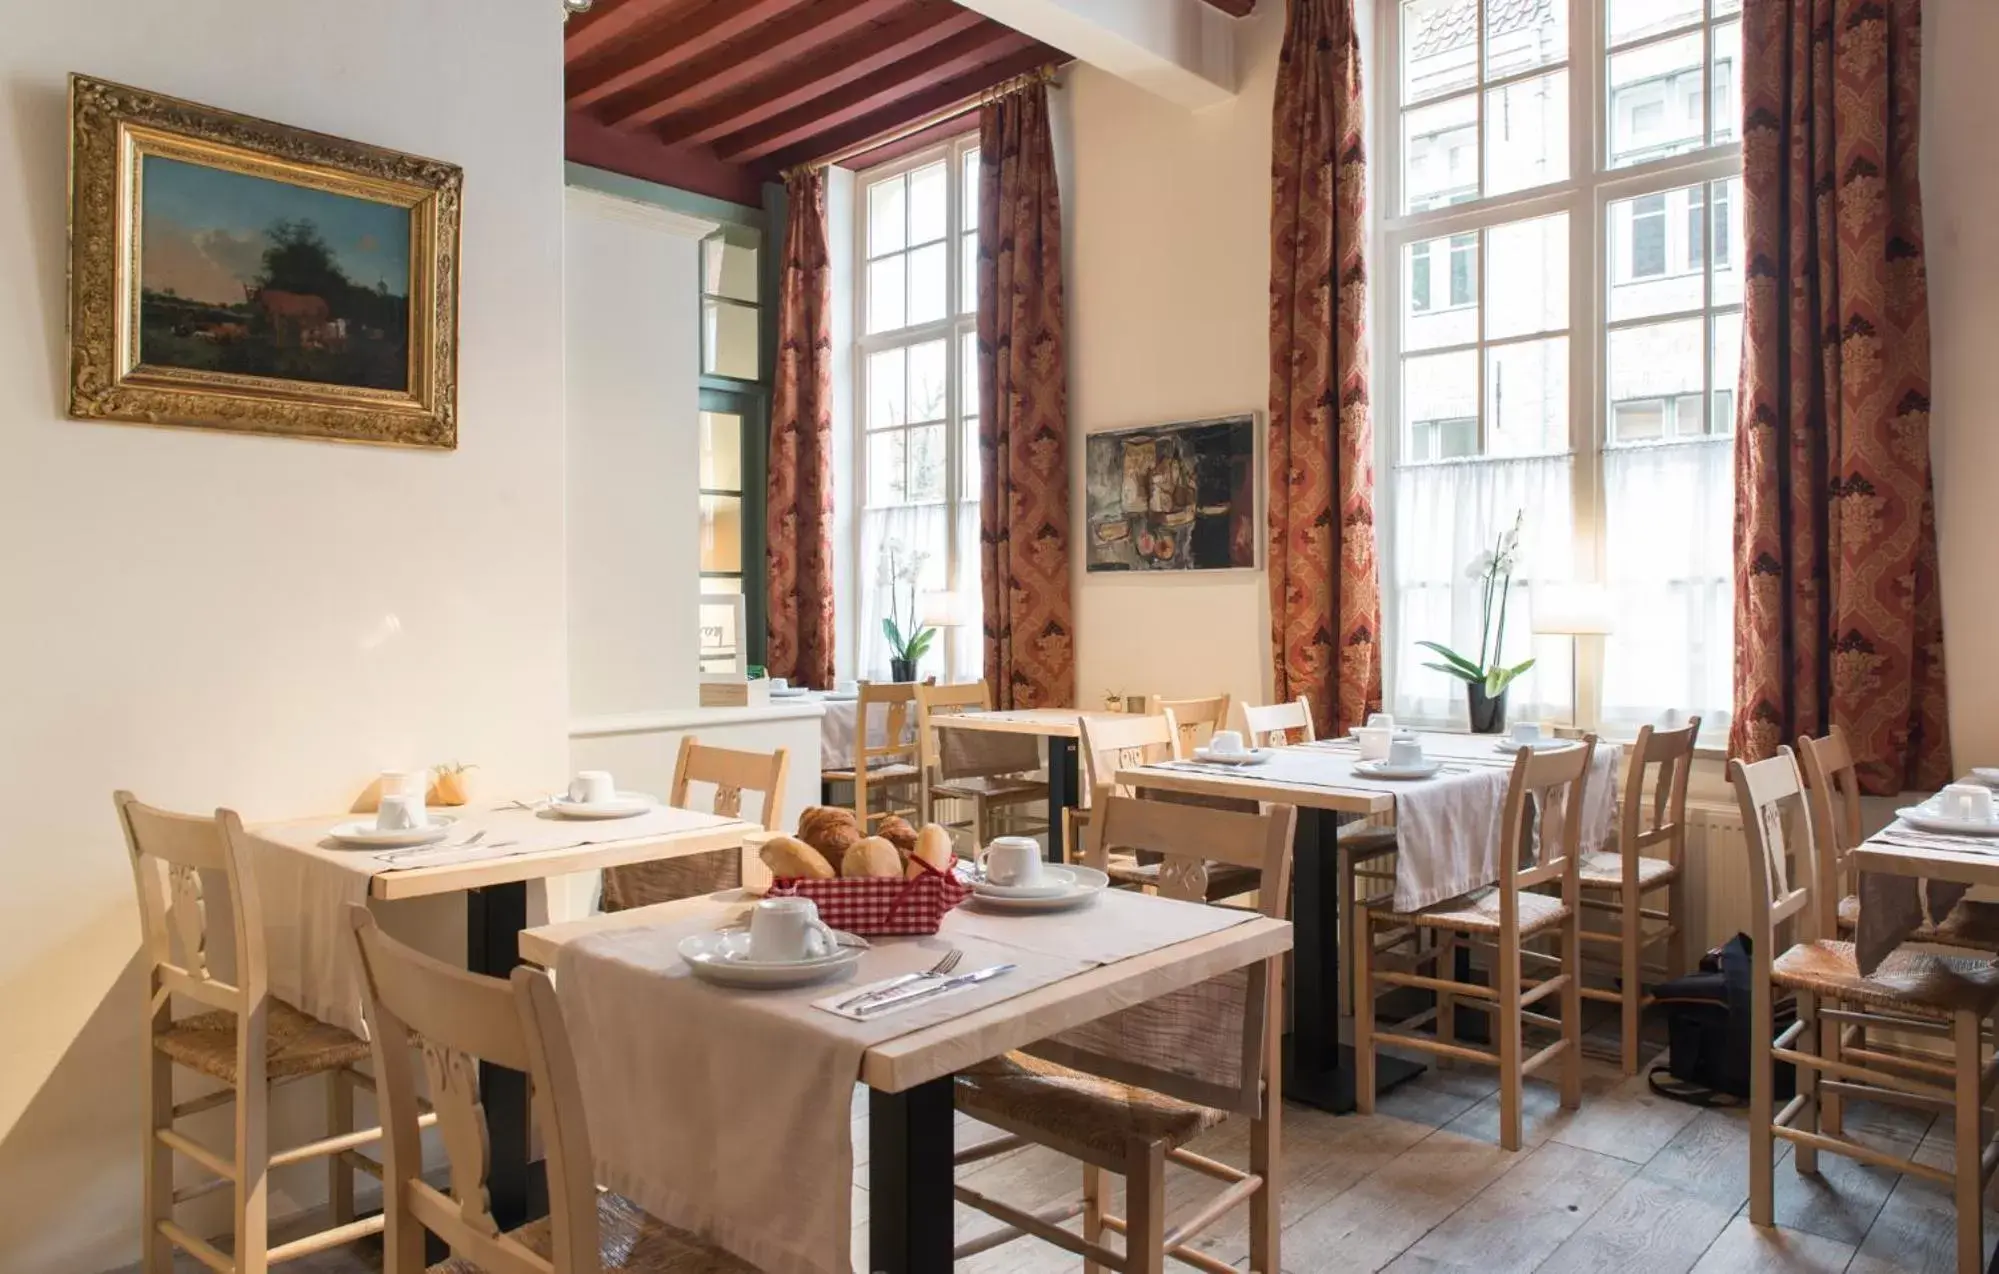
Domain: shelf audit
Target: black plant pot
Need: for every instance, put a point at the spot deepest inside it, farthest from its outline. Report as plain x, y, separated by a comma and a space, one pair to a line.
902, 669
1488, 712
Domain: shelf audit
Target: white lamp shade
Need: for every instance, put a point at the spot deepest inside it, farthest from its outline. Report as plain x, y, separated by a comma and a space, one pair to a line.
1573, 610
944, 610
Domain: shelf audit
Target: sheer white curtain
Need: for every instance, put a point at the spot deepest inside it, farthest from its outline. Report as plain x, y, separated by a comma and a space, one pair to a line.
1669, 517
958, 654
1444, 515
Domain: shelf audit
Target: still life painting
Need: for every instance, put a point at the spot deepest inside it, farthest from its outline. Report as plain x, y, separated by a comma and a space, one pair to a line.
1178, 497
232, 273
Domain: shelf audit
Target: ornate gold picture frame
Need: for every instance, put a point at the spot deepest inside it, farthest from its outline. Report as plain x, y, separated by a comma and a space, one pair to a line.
227, 272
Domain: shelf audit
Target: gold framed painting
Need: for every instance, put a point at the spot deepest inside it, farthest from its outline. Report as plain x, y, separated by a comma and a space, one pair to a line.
227, 272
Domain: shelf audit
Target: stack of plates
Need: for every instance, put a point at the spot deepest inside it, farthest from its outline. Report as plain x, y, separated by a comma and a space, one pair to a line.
1930, 818
365, 835
1059, 889
724, 959
1249, 756
624, 805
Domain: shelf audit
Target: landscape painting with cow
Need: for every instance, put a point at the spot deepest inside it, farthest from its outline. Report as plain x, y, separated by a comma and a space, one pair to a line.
254, 276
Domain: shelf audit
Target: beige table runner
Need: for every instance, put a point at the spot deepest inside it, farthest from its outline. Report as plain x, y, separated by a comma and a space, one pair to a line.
1893, 906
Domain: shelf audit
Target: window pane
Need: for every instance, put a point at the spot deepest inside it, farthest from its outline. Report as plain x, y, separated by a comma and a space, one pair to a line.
1441, 310
1527, 134
1727, 122
1722, 7
1440, 153
729, 339
885, 296
1654, 267
1529, 286
1527, 398
926, 203
1727, 371
926, 381
885, 216
721, 451
1651, 367
970, 456
1725, 225
885, 477
1439, 47
968, 278
927, 283
926, 463
1520, 37
887, 396
728, 269
968, 400
722, 533
1655, 100
968, 198
1633, 19
1439, 395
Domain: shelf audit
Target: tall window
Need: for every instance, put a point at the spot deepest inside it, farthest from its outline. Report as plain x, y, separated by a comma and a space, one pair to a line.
919, 401
733, 403
1586, 373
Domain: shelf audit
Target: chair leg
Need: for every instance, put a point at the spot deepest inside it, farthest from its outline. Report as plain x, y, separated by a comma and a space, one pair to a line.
1681, 919
1762, 1142
1968, 1184
1093, 1210
1345, 887
1832, 1107
1509, 1024
253, 1166
1447, 1001
1145, 1211
339, 1119
1630, 991
1363, 1010
1807, 1157
157, 1253
1266, 1160
1572, 1012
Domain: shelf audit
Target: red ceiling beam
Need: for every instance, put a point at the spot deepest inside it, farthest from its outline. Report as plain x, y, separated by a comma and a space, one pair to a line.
607, 20
688, 32
1235, 8
960, 55
810, 81
911, 108
695, 168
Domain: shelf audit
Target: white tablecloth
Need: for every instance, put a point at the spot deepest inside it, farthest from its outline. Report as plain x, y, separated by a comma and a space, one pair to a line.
836, 729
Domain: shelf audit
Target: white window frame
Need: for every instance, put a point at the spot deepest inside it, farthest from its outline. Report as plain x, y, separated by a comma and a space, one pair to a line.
1592, 186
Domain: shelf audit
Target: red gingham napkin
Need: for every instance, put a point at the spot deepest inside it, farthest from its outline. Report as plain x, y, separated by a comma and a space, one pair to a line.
878, 907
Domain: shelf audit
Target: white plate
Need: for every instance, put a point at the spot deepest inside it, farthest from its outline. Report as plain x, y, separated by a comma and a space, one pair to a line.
1510, 745
789, 692
1055, 881
365, 835
1987, 775
1253, 756
1089, 883
1400, 733
625, 806
1926, 817
724, 959
840, 696
1383, 770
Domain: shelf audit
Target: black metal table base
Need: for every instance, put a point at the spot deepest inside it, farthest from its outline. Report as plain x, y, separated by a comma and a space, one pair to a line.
1063, 780
516, 1185
909, 1179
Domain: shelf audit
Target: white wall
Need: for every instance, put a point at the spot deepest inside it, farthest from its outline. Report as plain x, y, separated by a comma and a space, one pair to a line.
261, 622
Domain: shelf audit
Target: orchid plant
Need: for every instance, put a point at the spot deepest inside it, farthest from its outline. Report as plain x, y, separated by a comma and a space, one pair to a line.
1494, 571
898, 571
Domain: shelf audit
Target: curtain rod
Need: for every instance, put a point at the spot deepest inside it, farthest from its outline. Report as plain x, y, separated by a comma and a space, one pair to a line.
963, 106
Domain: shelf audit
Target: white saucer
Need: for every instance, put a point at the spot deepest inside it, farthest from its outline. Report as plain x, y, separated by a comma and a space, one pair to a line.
1926, 817
1252, 756
1510, 745
789, 692
1428, 769
625, 806
1055, 881
364, 834
1985, 774
724, 959
1400, 733
1089, 883
840, 696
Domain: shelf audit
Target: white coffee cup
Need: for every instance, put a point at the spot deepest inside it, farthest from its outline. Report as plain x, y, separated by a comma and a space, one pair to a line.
789, 929
848, 686
1405, 754
780, 683
592, 787
1013, 861
1226, 743
402, 783
401, 812
1969, 801
1526, 732
1380, 721
1374, 742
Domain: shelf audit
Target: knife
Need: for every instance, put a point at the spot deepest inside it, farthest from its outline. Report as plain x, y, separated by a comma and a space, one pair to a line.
937, 988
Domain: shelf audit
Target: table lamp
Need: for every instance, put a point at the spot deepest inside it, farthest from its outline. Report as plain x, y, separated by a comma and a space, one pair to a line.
1575, 611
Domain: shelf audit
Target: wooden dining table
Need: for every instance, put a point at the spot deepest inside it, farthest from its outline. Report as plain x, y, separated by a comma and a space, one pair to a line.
1062, 727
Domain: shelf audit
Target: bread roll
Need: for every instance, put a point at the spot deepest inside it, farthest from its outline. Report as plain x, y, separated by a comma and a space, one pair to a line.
895, 829
933, 847
789, 858
829, 829
872, 856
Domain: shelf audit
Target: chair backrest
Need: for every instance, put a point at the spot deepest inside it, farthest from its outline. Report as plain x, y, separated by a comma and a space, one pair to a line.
1208, 1043
170, 852
1832, 783
731, 773
890, 702
1197, 719
1542, 820
1278, 724
1115, 742
1672, 751
1782, 860
964, 754
457, 1020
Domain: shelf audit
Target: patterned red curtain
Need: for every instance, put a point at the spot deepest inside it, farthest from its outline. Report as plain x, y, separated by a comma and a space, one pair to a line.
799, 519
1023, 410
1325, 591
1837, 613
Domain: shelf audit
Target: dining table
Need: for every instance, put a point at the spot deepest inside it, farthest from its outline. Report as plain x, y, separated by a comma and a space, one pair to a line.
683, 1074
1906, 874
1449, 850
1062, 728
306, 880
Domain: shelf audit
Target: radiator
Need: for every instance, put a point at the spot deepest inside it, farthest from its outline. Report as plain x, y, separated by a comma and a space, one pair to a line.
1717, 876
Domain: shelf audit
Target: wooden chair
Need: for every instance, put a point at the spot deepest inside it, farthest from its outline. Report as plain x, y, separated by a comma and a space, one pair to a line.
1507, 916
1198, 719
886, 767
990, 772
458, 1020
1277, 725
730, 772
249, 1041
1912, 993
1111, 743
1628, 874
1125, 1093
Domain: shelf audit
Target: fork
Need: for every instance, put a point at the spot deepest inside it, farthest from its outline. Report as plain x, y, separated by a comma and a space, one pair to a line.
941, 969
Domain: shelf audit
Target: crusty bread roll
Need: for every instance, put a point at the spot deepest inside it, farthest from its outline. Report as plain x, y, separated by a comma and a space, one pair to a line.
789, 858
829, 829
895, 829
872, 856
933, 847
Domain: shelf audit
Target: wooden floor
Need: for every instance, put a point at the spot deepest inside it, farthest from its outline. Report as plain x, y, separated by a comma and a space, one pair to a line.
1630, 1184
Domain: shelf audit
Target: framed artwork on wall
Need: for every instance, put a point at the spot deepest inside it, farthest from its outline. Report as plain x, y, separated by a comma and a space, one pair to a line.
1176, 497
231, 273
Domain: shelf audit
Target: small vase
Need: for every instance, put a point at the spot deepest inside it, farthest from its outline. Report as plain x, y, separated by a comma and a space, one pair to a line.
902, 669
1488, 712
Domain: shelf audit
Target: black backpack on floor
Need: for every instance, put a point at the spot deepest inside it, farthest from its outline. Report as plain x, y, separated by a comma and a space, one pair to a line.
1708, 1020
